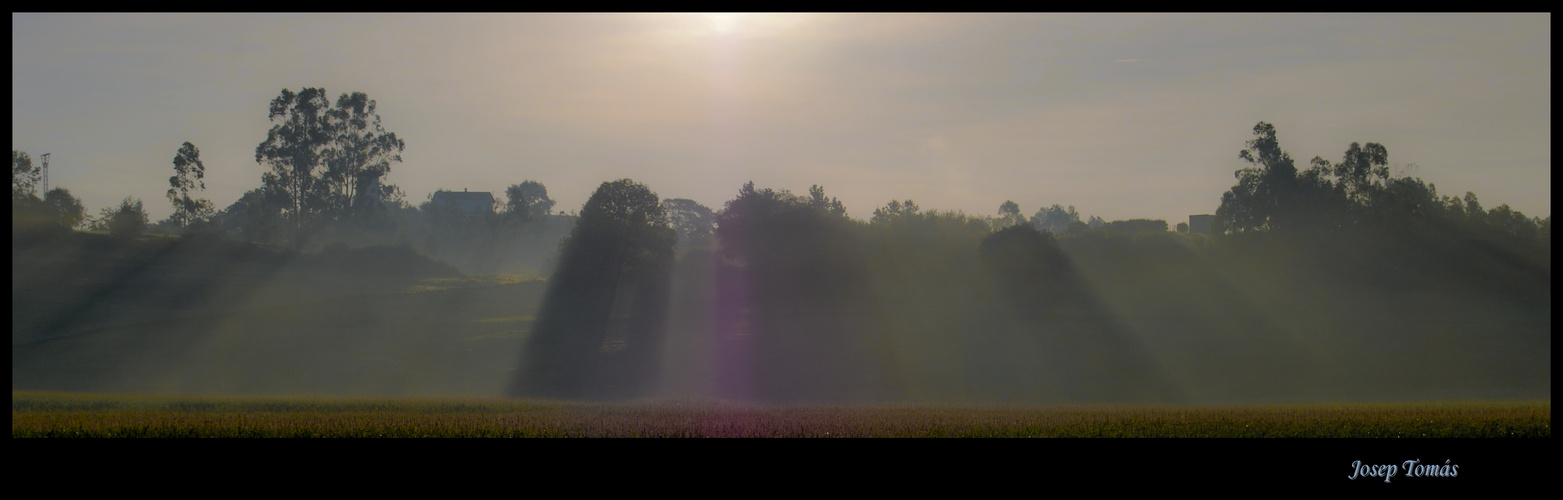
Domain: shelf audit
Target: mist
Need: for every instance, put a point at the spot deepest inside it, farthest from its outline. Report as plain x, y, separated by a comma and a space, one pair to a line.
779, 301
1083, 232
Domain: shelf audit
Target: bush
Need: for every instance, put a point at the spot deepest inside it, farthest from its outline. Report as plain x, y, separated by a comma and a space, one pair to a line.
128, 221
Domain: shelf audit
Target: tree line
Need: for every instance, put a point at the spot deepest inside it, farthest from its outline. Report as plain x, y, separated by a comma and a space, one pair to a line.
783, 297
1354, 195
324, 182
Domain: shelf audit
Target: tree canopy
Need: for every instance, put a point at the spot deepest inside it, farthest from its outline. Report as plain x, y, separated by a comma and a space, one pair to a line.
895, 210
325, 159
694, 223
819, 201
189, 173
600, 329
1009, 214
796, 297
65, 210
125, 221
24, 176
1254, 204
1055, 219
527, 200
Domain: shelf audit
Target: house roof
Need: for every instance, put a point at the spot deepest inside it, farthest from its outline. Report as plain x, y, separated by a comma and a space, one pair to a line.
463, 196
466, 201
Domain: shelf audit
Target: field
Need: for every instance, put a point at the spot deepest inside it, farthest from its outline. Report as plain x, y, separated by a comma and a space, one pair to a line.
39, 414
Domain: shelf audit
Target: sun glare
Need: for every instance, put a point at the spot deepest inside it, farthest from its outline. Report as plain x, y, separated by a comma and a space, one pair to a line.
723, 23
736, 25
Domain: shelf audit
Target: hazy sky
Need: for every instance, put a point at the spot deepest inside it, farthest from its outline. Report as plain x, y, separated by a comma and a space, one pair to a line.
1123, 116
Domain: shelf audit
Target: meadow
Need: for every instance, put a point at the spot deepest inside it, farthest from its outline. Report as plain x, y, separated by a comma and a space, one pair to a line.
44, 414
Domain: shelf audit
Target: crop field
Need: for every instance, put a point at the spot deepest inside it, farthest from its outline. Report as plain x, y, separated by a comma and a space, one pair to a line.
35, 414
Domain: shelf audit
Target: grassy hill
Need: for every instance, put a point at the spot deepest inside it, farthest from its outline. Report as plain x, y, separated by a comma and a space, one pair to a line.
196, 316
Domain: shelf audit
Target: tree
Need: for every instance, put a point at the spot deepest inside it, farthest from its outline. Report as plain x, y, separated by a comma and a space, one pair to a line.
894, 210
1363, 171
830, 205
1183, 227
64, 209
1406, 198
1319, 205
601, 324
293, 150
256, 216
797, 300
1055, 219
1257, 201
528, 200
1512, 223
1544, 232
1009, 214
24, 176
323, 159
693, 222
361, 155
126, 221
189, 173
27, 211
1273, 195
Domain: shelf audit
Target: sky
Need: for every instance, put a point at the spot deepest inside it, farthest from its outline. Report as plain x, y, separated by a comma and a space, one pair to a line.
1120, 115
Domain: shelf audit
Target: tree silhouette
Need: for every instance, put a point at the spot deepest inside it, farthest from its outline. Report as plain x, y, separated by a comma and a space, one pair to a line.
894, 210
293, 150
600, 328
325, 159
1055, 219
125, 221
257, 216
694, 223
64, 209
24, 176
527, 201
830, 205
1362, 171
361, 154
1009, 214
1262, 191
797, 301
1357, 195
189, 173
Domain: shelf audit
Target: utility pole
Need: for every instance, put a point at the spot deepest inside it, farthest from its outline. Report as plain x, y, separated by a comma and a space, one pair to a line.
45, 158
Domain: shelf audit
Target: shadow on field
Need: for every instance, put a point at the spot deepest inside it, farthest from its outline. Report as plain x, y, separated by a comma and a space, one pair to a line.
195, 316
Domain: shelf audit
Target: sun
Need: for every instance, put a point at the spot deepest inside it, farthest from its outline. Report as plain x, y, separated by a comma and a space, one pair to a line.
723, 23
733, 27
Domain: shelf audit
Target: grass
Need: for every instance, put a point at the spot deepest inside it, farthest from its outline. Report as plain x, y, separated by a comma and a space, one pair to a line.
508, 319
35, 414
438, 284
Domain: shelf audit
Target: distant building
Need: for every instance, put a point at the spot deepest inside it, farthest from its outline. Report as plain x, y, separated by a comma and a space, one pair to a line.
1201, 224
1136, 226
467, 202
